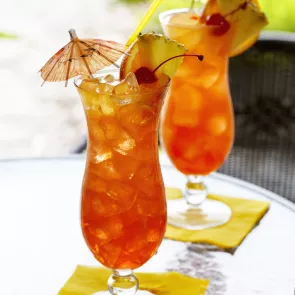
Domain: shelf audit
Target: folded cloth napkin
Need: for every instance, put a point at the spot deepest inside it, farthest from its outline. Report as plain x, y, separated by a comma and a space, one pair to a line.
88, 280
246, 214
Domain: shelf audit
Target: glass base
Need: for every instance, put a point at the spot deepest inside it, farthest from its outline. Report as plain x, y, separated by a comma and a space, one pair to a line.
139, 292
207, 215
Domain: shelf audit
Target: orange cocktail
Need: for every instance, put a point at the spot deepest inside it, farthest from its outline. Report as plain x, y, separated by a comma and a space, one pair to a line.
198, 121
123, 214
123, 206
198, 124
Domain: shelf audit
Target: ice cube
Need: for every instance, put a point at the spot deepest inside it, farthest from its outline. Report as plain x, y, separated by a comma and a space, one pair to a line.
217, 125
136, 114
107, 105
129, 85
147, 207
111, 254
93, 182
148, 177
111, 128
122, 193
192, 153
106, 170
95, 131
96, 203
90, 84
109, 229
208, 77
94, 113
109, 78
123, 144
132, 82
136, 243
117, 137
189, 102
88, 91
104, 88
100, 152
102, 205
121, 88
126, 165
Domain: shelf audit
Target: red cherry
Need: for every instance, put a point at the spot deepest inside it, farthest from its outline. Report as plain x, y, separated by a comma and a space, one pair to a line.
145, 76
222, 29
218, 20
215, 19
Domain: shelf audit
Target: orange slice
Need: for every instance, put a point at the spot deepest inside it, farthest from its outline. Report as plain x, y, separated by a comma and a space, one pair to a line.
247, 22
244, 46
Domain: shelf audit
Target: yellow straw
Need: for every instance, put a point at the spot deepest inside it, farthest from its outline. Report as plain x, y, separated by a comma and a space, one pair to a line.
144, 21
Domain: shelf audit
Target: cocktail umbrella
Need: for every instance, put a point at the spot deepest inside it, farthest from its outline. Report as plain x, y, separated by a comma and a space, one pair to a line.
81, 57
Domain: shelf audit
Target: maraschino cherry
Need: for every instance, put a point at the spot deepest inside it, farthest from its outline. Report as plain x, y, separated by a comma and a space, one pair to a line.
219, 20
146, 76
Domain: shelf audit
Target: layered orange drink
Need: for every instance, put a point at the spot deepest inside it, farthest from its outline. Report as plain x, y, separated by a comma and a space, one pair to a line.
198, 123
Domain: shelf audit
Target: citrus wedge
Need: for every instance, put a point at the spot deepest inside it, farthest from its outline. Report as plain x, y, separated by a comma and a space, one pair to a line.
149, 51
247, 21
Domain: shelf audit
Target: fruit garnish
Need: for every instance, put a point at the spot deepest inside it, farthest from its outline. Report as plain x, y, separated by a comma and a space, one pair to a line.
244, 15
153, 56
222, 25
145, 75
149, 51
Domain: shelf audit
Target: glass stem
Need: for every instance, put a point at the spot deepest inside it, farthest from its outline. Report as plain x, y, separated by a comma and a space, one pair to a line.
196, 191
123, 282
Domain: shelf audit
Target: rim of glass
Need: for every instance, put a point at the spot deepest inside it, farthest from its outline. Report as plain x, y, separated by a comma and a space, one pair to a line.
164, 18
104, 72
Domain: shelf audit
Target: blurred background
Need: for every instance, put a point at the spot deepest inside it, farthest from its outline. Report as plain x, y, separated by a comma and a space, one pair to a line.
49, 120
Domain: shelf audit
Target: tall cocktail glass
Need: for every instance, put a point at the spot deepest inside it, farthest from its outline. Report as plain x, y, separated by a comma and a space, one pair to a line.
123, 207
198, 122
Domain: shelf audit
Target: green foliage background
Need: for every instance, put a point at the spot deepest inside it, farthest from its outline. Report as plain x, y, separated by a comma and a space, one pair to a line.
281, 13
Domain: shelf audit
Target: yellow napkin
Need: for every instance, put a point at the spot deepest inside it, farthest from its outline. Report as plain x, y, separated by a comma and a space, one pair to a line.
88, 280
245, 216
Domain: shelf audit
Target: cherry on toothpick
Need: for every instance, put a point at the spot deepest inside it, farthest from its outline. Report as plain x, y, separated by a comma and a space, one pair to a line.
145, 76
220, 21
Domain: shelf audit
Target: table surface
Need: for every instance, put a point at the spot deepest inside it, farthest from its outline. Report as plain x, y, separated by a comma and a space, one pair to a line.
41, 241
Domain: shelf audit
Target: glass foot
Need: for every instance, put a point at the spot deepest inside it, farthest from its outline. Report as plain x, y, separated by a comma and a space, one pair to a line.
123, 282
207, 215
